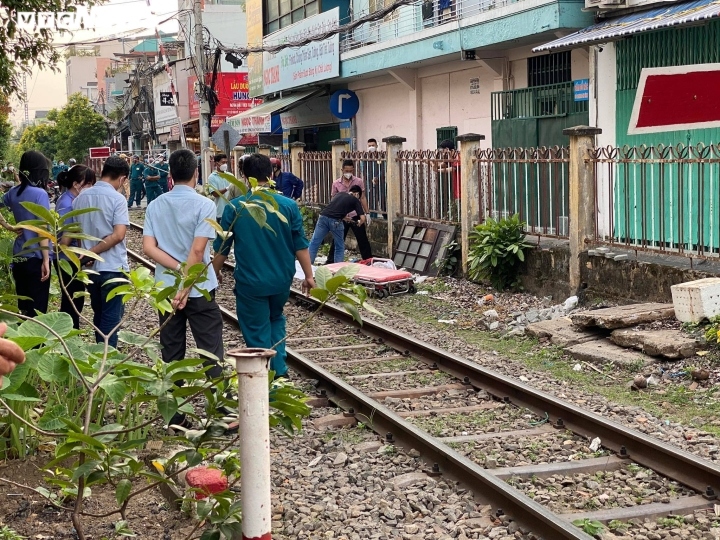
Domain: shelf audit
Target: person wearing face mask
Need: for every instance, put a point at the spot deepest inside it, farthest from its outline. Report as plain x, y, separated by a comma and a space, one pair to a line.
373, 171
74, 180
163, 169
137, 171
152, 181
352, 220
218, 186
31, 265
108, 223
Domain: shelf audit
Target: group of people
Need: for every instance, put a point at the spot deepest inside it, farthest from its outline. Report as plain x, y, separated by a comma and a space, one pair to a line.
147, 178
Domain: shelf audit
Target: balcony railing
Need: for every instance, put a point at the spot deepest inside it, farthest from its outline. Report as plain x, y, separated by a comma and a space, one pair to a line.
536, 102
413, 18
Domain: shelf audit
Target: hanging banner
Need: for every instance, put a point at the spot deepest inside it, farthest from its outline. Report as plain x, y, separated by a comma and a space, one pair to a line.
254, 18
232, 91
298, 66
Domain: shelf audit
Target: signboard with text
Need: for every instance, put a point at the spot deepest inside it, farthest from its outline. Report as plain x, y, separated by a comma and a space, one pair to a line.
261, 123
254, 18
165, 113
581, 90
100, 152
233, 95
313, 112
298, 66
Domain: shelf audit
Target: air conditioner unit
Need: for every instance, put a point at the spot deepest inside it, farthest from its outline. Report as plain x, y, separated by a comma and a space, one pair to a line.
605, 4
638, 3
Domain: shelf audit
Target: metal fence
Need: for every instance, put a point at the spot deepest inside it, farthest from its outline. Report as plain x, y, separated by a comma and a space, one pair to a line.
316, 173
531, 182
430, 184
285, 161
372, 168
663, 198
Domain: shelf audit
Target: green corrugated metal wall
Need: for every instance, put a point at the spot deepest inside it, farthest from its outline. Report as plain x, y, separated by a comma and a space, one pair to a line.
680, 182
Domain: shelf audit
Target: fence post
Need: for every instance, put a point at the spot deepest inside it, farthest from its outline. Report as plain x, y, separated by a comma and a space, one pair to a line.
393, 146
469, 190
208, 164
582, 197
236, 153
252, 369
264, 149
338, 147
296, 149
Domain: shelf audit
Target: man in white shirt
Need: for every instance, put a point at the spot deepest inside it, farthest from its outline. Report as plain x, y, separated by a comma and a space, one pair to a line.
176, 231
218, 186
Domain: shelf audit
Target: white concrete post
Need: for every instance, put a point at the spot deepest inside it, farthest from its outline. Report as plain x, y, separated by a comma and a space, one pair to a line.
296, 149
338, 147
469, 190
393, 146
254, 426
264, 149
582, 197
237, 152
208, 164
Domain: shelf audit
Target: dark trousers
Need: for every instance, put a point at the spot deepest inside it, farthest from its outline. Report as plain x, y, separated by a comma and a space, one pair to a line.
136, 192
27, 275
362, 241
154, 190
206, 326
107, 314
67, 301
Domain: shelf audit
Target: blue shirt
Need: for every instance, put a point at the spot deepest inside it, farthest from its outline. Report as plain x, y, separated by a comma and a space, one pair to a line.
175, 220
12, 201
62, 207
264, 260
289, 185
218, 183
111, 210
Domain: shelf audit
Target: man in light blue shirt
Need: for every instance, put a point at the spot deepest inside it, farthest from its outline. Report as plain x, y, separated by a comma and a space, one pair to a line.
177, 231
218, 186
109, 223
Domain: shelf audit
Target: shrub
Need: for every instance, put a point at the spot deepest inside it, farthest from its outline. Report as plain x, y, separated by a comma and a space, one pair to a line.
496, 251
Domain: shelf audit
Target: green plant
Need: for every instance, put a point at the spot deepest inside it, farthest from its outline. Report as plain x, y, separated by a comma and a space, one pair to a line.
6, 533
712, 332
496, 250
590, 526
97, 405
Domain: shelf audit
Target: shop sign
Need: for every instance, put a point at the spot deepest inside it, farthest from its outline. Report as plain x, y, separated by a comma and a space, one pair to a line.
252, 124
233, 95
581, 89
164, 113
314, 112
298, 66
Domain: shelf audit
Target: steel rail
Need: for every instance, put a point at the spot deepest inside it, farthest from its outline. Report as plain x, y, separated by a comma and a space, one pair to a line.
675, 463
485, 487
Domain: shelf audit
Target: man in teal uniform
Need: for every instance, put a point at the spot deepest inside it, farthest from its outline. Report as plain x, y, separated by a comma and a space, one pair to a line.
137, 172
264, 264
163, 168
152, 182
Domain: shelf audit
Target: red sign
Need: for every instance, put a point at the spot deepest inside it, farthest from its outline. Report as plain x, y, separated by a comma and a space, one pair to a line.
676, 98
232, 92
100, 152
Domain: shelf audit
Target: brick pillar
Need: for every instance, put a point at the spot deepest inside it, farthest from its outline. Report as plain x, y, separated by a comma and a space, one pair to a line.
393, 146
469, 190
236, 153
296, 149
582, 197
338, 147
264, 149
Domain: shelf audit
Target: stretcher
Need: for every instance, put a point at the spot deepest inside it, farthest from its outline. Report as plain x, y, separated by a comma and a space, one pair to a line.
378, 279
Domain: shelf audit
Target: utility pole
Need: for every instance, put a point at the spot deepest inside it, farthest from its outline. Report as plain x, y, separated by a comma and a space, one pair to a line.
200, 63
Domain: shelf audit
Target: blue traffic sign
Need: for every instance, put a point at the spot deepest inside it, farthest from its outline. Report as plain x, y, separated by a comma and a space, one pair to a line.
344, 104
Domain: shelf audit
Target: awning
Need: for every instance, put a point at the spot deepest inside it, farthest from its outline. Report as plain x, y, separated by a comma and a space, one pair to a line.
258, 119
634, 23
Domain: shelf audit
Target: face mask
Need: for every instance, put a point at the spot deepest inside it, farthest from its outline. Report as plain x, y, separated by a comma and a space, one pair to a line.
11, 168
223, 167
371, 149
348, 175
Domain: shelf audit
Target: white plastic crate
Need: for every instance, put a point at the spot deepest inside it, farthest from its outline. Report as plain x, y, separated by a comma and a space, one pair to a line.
696, 300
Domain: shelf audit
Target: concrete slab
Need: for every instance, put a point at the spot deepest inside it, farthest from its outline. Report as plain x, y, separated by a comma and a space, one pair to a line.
680, 506
409, 479
334, 421
562, 332
416, 392
544, 470
546, 428
668, 343
623, 316
604, 351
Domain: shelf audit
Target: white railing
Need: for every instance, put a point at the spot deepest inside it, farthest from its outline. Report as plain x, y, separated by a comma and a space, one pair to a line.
413, 18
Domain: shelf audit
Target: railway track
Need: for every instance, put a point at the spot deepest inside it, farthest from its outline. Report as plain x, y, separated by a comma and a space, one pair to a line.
422, 398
